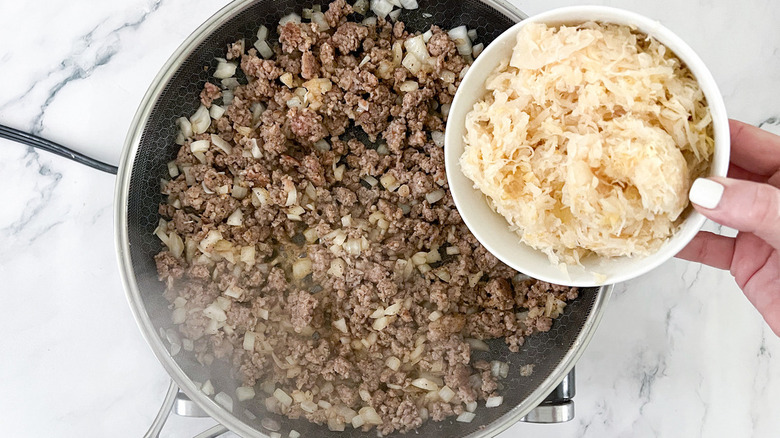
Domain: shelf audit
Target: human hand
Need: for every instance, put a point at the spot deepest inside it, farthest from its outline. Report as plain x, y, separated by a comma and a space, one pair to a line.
749, 201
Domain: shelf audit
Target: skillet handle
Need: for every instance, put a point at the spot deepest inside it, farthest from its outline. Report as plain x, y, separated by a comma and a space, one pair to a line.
558, 407
180, 404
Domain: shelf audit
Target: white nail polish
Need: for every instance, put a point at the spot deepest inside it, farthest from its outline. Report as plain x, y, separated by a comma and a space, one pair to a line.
706, 193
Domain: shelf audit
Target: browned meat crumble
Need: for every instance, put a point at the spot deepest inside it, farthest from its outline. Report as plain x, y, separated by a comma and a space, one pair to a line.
338, 273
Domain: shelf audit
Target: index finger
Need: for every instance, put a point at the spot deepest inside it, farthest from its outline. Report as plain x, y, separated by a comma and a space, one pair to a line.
754, 149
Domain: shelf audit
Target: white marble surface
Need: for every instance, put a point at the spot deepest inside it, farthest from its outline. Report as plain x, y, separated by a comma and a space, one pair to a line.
680, 352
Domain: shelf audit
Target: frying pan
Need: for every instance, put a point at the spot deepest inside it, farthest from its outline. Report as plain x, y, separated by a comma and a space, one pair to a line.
150, 145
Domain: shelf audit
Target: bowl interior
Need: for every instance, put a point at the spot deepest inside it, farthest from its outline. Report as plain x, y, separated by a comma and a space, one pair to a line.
491, 229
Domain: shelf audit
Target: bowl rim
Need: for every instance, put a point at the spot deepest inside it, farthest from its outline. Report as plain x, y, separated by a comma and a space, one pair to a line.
689, 227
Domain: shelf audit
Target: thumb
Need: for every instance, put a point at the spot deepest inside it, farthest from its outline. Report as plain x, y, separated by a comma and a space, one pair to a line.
744, 205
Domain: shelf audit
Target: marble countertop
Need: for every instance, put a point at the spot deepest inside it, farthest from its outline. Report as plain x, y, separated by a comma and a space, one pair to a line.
680, 351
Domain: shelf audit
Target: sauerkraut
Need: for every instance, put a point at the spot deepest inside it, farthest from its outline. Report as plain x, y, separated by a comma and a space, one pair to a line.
588, 139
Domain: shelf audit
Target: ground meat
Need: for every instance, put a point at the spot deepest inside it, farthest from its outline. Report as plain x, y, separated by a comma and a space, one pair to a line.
210, 93
301, 306
329, 253
349, 37
306, 125
310, 67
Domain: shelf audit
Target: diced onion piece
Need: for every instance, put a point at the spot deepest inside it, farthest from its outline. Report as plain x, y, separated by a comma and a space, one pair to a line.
201, 120
212, 311
310, 234
309, 406
461, 38
301, 268
369, 22
463, 72
434, 315
338, 172
380, 323
294, 434
352, 246
318, 18
427, 35
425, 384
207, 388
224, 400
393, 15
295, 102
472, 33
466, 417
239, 192
173, 170
396, 3
360, 6
179, 315
416, 46
234, 291
335, 425
290, 18
471, 406
274, 435
438, 138
322, 145
260, 197
409, 4
341, 325
412, 63
185, 127
408, 86
447, 76
227, 97
445, 111
357, 421
229, 84
389, 182
477, 49
216, 111
452, 250
370, 415
337, 267
264, 49
282, 396
495, 367
477, 344
236, 218
249, 341
446, 394
262, 33
503, 371
393, 363
244, 393
306, 14
381, 7
206, 245
493, 402
378, 313
370, 180
393, 309
225, 69
434, 196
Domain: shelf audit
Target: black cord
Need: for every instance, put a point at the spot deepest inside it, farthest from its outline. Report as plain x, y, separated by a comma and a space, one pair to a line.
55, 148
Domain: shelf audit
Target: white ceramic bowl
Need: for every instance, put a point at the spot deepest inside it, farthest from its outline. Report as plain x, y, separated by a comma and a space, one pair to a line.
492, 230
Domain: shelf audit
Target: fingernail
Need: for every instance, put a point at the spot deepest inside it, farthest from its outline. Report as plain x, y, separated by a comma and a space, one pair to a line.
706, 193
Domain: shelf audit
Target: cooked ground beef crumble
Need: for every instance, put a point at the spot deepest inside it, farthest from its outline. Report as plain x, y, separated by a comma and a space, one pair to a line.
338, 273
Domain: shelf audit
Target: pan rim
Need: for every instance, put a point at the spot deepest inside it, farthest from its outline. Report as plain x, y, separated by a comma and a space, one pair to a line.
133, 295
